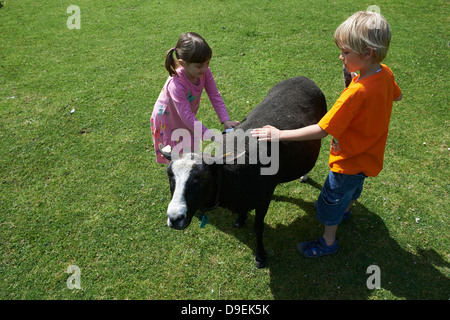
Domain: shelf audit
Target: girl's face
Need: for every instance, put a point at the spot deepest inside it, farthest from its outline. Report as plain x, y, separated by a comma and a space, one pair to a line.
194, 71
352, 61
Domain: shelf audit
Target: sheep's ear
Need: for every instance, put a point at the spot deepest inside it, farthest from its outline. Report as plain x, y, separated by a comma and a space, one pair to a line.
166, 151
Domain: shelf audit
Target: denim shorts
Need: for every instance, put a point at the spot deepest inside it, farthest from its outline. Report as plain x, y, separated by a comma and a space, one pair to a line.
337, 192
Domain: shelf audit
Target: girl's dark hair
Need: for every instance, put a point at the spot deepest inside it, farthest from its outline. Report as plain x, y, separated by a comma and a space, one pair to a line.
191, 48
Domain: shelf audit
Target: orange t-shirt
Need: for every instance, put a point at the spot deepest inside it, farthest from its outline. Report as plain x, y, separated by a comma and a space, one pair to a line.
359, 123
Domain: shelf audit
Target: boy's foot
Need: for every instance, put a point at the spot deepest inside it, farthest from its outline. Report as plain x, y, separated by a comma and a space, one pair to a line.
318, 248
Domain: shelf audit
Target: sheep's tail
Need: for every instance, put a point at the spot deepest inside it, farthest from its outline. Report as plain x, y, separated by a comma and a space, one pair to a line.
347, 76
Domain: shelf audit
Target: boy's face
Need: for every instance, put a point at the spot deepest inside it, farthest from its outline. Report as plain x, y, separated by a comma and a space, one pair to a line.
352, 61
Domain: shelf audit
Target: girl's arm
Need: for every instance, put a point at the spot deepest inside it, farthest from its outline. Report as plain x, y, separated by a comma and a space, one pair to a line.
215, 97
270, 133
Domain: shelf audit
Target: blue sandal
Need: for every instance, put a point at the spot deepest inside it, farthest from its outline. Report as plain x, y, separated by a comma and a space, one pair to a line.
318, 248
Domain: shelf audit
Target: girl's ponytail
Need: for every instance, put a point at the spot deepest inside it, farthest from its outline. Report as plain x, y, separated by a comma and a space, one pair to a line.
171, 63
191, 47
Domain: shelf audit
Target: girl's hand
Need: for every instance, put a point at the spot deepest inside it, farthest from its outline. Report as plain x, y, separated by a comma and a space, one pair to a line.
266, 133
230, 124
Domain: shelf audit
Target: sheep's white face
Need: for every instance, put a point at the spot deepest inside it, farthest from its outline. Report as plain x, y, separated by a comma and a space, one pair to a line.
190, 181
176, 212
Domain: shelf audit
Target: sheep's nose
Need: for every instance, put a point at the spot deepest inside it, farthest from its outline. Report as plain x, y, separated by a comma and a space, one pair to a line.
174, 219
176, 213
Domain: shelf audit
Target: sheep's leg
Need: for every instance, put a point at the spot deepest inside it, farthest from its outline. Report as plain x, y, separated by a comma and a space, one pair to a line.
240, 221
260, 256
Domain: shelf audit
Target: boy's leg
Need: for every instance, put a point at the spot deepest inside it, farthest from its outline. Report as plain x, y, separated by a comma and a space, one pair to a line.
338, 194
350, 205
329, 235
347, 212
334, 198
355, 196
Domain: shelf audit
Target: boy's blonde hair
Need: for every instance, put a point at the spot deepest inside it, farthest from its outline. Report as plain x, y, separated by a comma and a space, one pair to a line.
364, 29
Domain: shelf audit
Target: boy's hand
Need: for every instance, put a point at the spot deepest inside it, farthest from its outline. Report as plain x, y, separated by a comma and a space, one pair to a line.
266, 133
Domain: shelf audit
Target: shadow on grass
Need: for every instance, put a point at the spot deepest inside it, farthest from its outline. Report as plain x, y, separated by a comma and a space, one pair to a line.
364, 240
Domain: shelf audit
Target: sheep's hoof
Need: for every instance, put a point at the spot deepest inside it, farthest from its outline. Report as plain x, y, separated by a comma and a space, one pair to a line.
260, 261
260, 264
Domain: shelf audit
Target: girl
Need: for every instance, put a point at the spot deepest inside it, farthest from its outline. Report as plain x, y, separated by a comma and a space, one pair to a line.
178, 102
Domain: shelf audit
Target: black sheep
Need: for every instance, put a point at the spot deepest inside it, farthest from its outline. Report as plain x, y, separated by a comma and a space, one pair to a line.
242, 186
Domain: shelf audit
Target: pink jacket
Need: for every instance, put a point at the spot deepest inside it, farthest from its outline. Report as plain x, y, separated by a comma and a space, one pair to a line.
179, 100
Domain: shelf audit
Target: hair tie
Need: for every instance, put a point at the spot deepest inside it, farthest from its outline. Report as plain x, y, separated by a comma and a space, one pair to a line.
174, 48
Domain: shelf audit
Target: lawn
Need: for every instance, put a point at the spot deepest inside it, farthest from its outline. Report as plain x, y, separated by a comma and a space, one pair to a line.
80, 185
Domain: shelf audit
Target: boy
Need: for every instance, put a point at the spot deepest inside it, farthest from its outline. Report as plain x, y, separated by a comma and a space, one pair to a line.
358, 122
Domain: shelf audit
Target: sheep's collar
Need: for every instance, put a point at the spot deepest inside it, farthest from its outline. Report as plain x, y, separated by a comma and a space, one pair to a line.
204, 220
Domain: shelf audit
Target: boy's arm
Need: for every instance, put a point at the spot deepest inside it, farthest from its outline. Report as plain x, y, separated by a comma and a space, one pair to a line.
269, 133
399, 97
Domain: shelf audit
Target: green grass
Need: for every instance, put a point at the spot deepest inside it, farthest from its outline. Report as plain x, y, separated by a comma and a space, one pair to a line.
83, 188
